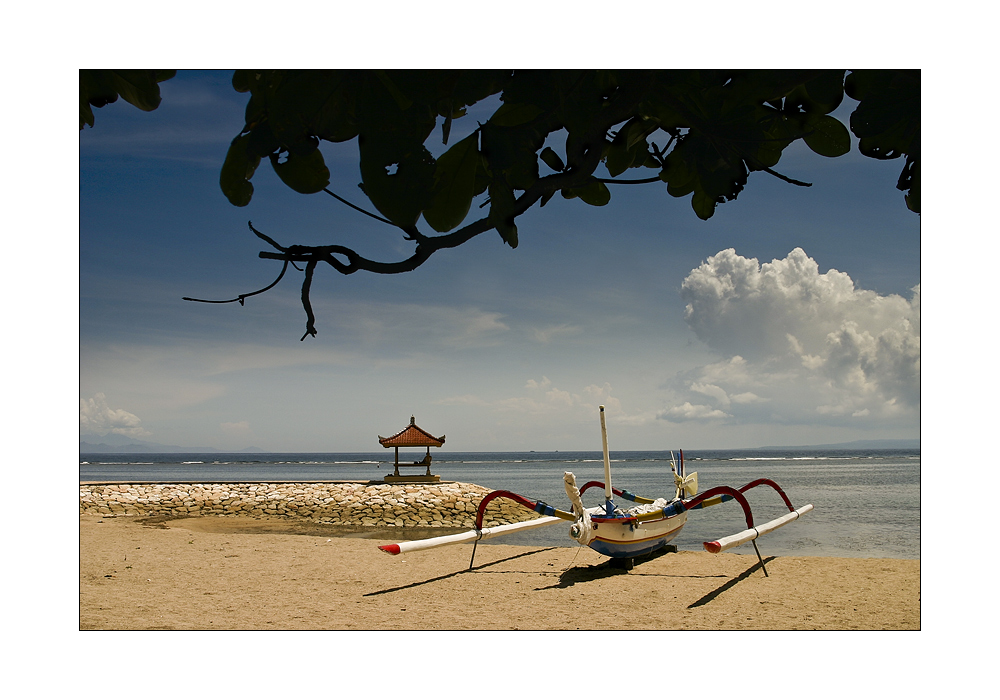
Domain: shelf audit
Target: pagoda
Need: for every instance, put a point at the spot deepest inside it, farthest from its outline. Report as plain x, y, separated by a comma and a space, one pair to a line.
412, 436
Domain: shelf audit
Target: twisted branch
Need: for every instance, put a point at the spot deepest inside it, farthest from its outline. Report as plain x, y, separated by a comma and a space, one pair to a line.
787, 179
584, 154
241, 297
584, 160
306, 284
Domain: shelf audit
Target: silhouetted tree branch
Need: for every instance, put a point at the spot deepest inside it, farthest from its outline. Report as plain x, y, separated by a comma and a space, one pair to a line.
722, 125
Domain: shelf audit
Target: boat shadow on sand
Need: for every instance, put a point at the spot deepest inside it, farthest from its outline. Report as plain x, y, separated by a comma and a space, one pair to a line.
594, 572
612, 567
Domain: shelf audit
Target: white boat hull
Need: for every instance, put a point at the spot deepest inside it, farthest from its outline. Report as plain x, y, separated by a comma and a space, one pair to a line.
628, 538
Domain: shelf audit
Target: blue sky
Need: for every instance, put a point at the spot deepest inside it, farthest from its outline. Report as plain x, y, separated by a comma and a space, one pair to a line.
789, 318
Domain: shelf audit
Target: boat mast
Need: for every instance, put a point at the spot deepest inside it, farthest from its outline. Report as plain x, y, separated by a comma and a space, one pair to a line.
607, 466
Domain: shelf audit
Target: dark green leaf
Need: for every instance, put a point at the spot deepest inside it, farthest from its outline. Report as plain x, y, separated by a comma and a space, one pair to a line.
552, 159
502, 211
97, 87
241, 80
86, 114
778, 133
102, 87
454, 185
913, 198
262, 141
827, 89
629, 148
594, 193
508, 231
141, 88
768, 154
678, 176
402, 100
722, 180
237, 170
512, 151
703, 205
619, 157
887, 120
909, 182
337, 120
828, 137
306, 174
638, 130
514, 114
398, 175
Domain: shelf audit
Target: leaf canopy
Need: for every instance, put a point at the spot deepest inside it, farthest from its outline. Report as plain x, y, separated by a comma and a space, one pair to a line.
703, 132
139, 88
700, 133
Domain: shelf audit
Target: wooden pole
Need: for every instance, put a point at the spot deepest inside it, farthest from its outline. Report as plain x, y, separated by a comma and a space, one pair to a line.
759, 557
607, 460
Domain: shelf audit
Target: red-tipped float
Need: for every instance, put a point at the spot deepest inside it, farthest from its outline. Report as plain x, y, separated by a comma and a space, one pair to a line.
754, 532
471, 536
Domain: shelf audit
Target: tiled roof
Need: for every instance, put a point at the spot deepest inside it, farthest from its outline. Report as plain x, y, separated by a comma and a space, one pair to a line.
411, 436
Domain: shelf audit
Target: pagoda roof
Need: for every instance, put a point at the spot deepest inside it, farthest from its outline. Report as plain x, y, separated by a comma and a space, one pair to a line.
411, 436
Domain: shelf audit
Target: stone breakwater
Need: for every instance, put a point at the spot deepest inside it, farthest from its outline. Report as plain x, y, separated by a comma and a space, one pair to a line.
451, 504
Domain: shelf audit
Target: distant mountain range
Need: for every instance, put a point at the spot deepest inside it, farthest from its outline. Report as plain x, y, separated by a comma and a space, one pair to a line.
906, 444
114, 444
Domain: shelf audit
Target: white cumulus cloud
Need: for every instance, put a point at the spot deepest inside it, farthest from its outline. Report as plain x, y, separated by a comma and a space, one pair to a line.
97, 417
797, 344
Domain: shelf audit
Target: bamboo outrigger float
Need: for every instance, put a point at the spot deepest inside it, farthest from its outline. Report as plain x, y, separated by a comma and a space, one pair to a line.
623, 534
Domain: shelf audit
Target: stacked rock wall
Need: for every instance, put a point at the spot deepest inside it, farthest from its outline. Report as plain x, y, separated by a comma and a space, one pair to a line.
378, 505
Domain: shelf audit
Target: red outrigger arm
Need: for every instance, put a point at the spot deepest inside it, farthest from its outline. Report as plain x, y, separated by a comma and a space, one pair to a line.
735, 494
538, 506
768, 482
713, 496
724, 493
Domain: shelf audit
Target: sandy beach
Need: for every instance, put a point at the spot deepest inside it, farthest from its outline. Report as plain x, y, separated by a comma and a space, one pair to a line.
231, 574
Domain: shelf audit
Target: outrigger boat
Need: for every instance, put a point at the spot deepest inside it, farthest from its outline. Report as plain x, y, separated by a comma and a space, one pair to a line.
622, 534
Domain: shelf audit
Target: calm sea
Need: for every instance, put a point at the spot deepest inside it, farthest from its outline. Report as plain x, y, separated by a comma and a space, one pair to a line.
866, 502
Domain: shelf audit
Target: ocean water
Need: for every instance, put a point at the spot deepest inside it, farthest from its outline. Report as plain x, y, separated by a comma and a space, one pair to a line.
866, 502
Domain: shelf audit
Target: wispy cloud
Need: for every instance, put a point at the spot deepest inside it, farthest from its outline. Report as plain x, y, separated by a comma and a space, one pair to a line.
542, 398
547, 334
237, 429
464, 400
412, 327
